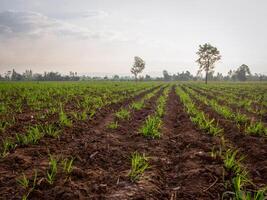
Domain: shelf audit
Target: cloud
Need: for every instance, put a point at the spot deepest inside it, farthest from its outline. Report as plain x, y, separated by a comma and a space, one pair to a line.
25, 22
95, 14
22, 23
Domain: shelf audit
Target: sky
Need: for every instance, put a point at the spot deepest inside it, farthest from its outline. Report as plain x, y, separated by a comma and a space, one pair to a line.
102, 37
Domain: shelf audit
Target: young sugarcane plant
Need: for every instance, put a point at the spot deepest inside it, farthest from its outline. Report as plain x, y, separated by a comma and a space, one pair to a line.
151, 127
139, 163
67, 165
7, 145
52, 171
123, 114
113, 125
26, 184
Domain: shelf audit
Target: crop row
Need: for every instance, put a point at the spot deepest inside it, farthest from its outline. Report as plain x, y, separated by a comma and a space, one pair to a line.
256, 107
150, 129
40, 102
242, 121
34, 132
239, 176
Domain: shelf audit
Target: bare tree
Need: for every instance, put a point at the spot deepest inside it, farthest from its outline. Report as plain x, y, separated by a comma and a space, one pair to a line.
208, 55
138, 66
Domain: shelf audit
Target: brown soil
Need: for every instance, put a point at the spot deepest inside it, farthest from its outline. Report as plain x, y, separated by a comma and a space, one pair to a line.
24, 159
181, 166
254, 148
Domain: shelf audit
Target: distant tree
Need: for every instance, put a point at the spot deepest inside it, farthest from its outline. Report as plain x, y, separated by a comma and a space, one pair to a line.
27, 75
8, 75
184, 76
147, 77
166, 76
242, 72
138, 66
218, 77
116, 77
16, 76
208, 55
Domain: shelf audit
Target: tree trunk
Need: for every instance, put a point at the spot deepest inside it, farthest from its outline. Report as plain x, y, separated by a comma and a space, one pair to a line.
206, 79
135, 76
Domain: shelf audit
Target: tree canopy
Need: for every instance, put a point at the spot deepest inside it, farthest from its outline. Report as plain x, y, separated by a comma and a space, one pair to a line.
208, 55
138, 66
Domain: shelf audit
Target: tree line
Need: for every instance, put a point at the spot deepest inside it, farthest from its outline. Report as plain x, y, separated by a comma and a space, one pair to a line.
208, 55
240, 74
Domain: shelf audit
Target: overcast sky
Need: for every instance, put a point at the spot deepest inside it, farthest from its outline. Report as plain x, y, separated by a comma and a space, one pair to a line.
103, 36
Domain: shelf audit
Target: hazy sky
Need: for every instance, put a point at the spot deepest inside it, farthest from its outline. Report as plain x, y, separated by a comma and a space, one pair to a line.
104, 35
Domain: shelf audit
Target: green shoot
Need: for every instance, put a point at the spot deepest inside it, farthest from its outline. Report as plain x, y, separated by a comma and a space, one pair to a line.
63, 119
67, 165
51, 173
137, 105
7, 146
51, 131
24, 181
113, 125
123, 114
256, 128
32, 136
139, 163
151, 127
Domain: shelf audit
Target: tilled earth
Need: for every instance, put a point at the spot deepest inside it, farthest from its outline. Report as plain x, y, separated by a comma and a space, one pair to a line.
181, 166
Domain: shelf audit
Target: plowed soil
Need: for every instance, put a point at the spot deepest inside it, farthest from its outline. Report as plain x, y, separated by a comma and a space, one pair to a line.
181, 166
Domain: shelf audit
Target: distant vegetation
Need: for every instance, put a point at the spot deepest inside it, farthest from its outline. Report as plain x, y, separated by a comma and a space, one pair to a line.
242, 73
207, 56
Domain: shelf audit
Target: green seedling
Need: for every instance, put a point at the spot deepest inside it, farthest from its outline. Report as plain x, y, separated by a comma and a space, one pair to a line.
51, 130
139, 163
64, 120
33, 135
7, 145
256, 128
25, 183
123, 114
52, 171
67, 165
113, 125
137, 105
3, 126
151, 127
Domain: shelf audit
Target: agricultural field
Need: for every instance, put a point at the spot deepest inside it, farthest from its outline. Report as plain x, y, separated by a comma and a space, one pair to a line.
127, 140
